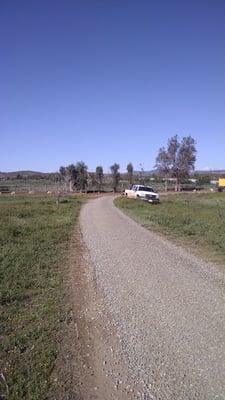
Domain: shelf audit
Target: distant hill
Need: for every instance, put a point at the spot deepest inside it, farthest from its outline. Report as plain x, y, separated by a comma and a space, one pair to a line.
150, 172
50, 175
197, 171
211, 171
25, 174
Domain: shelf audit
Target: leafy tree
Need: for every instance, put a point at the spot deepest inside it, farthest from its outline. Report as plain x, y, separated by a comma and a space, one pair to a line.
186, 158
71, 176
141, 174
62, 171
64, 175
81, 175
203, 179
115, 175
99, 176
178, 159
91, 181
68, 175
130, 171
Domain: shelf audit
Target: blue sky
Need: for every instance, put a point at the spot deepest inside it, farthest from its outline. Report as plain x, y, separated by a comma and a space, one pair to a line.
110, 81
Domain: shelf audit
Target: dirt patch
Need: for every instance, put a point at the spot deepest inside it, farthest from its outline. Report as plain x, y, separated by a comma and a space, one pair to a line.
89, 365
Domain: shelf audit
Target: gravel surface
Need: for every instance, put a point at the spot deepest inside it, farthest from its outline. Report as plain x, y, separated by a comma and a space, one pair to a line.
168, 307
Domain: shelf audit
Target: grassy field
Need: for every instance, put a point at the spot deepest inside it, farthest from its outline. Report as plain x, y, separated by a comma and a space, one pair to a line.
34, 241
26, 185
197, 219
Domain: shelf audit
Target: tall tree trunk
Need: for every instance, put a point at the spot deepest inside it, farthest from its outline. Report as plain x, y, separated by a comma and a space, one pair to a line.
176, 185
166, 186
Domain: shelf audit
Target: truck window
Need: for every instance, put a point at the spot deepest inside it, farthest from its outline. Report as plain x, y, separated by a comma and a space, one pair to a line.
146, 189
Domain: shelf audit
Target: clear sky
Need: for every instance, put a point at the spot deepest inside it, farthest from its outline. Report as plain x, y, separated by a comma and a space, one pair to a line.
107, 81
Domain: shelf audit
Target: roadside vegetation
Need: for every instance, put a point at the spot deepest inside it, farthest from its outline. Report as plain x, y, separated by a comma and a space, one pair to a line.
34, 241
193, 218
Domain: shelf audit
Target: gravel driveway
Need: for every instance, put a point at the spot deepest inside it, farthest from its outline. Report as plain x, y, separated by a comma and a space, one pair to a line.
168, 306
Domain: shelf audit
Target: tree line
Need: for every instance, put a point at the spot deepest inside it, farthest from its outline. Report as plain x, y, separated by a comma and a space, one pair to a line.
77, 177
176, 160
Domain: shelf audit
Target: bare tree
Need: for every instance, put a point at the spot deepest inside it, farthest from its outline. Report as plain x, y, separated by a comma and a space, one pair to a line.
177, 160
130, 171
99, 176
115, 175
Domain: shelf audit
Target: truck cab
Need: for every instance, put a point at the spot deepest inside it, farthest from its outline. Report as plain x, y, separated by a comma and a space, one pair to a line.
142, 192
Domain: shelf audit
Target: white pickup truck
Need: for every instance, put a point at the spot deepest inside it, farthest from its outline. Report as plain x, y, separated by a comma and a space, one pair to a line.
142, 192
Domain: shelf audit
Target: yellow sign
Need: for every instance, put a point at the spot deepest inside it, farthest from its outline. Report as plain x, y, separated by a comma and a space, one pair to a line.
222, 182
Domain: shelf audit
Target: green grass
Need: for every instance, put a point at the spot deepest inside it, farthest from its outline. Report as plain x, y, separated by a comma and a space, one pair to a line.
197, 219
34, 241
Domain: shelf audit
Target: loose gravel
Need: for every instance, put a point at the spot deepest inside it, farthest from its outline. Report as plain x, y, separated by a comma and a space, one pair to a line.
168, 306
